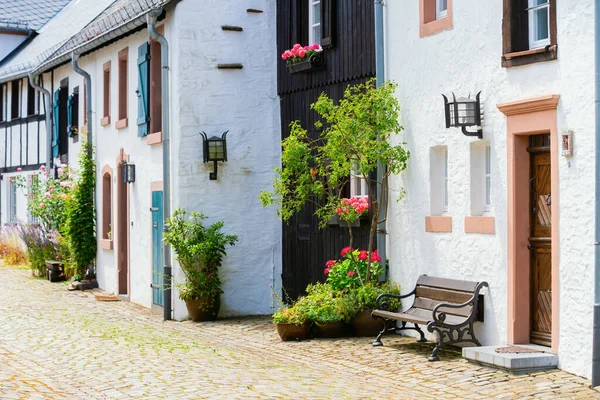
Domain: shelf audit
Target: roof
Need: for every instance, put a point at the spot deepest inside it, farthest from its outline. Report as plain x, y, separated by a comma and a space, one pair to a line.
74, 17
81, 27
29, 14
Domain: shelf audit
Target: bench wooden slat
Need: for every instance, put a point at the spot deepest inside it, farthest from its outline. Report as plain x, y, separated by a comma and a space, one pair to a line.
449, 296
415, 319
452, 284
427, 314
429, 304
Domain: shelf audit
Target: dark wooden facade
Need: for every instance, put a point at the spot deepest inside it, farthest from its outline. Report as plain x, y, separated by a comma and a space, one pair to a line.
349, 45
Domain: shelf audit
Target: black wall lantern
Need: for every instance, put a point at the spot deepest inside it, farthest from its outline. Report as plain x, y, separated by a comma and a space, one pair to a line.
128, 172
215, 149
463, 112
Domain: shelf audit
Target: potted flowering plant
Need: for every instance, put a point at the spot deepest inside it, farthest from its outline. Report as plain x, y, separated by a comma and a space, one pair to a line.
200, 251
351, 271
328, 308
352, 209
290, 322
303, 58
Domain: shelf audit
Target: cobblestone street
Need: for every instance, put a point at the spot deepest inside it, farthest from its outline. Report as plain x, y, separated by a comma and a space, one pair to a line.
56, 344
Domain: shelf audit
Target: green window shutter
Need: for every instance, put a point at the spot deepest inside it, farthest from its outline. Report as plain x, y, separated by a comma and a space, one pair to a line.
70, 115
56, 121
143, 62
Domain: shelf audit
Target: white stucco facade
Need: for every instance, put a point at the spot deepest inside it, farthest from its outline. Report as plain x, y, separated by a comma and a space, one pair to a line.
202, 98
245, 103
466, 59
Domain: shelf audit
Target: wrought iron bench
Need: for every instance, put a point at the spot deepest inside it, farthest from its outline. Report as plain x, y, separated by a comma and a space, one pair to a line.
447, 306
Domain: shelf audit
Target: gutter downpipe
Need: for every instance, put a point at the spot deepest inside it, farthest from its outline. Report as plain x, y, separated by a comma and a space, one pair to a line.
596, 333
48, 114
151, 18
380, 78
88, 96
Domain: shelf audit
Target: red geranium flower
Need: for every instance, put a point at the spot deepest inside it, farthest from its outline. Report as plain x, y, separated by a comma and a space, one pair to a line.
351, 273
375, 256
363, 255
346, 250
330, 263
326, 271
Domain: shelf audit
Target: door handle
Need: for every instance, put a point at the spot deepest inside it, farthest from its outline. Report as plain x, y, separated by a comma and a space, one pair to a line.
153, 209
156, 224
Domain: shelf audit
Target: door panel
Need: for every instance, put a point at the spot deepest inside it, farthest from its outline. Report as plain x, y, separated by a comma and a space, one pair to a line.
157, 249
540, 241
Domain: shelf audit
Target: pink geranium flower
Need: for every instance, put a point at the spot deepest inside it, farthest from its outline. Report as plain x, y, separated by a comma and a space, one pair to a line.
345, 250
330, 263
42, 205
351, 273
19, 169
43, 167
326, 271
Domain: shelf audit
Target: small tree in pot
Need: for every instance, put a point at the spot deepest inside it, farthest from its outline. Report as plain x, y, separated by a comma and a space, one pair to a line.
200, 251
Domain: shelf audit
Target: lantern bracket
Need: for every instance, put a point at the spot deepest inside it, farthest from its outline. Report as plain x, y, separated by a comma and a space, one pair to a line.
478, 132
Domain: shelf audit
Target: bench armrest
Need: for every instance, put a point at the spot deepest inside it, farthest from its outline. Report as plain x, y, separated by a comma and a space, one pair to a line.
384, 305
439, 317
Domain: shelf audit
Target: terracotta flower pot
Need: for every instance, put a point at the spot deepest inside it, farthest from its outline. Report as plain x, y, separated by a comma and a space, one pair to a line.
204, 308
330, 329
288, 331
365, 325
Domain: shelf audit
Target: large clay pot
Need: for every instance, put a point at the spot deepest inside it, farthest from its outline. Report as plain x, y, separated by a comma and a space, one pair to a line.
365, 325
204, 308
330, 329
289, 331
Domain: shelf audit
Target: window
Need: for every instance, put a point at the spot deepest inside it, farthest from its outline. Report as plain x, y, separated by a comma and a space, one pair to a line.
314, 21
539, 23
358, 185
155, 88
2, 103
441, 9
12, 202
107, 205
488, 179
73, 113
528, 32
106, 101
31, 99
15, 103
481, 178
434, 16
85, 121
123, 82
439, 180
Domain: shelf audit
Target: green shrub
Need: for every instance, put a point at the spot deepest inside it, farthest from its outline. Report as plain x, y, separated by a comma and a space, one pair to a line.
322, 304
365, 297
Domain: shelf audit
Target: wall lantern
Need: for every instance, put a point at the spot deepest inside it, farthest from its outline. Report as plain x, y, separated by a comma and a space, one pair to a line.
567, 143
128, 172
215, 149
463, 112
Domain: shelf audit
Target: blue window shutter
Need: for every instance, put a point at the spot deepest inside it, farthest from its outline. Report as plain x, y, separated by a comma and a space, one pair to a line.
70, 115
56, 117
143, 62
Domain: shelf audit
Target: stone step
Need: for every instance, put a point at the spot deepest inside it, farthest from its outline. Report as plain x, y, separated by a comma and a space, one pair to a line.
521, 363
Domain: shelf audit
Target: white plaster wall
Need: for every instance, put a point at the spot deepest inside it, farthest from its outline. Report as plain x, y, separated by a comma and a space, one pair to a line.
244, 102
466, 59
108, 142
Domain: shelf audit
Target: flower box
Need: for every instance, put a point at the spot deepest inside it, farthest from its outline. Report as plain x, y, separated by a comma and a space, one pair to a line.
303, 59
314, 62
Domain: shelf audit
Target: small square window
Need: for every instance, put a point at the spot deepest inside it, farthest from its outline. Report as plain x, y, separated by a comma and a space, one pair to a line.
359, 186
481, 178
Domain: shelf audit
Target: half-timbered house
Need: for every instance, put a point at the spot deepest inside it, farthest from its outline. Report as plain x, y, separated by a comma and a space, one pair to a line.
345, 30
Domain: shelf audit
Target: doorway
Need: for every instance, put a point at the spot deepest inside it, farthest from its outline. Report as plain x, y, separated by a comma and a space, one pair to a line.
122, 232
157, 248
540, 239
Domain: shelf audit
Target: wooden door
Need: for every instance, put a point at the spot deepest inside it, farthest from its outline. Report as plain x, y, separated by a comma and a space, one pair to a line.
540, 240
122, 233
157, 248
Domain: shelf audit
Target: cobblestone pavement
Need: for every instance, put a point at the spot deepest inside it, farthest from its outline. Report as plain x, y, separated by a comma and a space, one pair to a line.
56, 344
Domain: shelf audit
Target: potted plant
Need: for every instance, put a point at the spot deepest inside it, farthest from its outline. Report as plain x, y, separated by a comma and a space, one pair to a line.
327, 308
364, 301
200, 251
304, 58
291, 324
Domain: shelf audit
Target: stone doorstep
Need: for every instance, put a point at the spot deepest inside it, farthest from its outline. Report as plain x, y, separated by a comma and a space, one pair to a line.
512, 363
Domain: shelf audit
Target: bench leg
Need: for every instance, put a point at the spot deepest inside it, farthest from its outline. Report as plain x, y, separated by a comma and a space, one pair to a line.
377, 342
433, 356
422, 338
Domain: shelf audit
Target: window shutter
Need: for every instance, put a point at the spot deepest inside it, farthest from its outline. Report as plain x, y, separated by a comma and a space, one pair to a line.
519, 26
143, 90
70, 115
56, 114
328, 14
